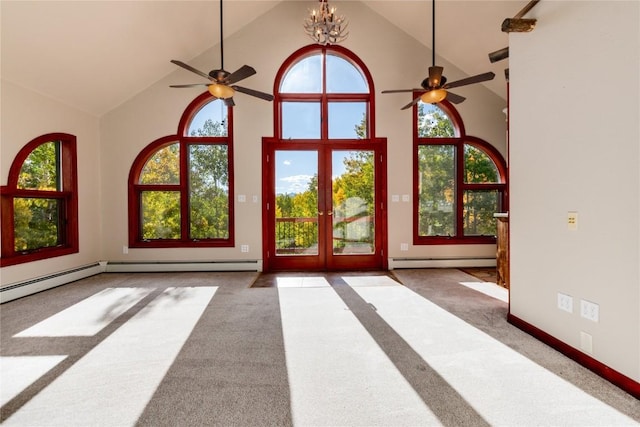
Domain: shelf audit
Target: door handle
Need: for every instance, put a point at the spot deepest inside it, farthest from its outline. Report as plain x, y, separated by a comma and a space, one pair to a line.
320, 213
329, 213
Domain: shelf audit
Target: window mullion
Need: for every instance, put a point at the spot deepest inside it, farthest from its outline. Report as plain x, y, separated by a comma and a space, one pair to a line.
459, 188
184, 191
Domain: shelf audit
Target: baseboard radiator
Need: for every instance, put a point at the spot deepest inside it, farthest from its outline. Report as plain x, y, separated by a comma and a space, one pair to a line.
175, 266
453, 262
39, 284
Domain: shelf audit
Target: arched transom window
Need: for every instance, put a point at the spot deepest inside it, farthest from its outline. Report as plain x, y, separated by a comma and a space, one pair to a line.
323, 93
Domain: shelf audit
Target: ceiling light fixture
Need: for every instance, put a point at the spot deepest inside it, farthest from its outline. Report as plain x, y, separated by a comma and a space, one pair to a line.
324, 26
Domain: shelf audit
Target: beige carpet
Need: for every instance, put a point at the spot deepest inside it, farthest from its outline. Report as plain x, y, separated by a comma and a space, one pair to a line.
416, 347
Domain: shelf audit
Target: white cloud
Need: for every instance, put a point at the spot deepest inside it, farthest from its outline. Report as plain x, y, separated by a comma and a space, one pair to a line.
294, 184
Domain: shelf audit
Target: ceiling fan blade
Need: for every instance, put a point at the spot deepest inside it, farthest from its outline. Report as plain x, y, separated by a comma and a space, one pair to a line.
471, 80
240, 74
400, 90
499, 55
435, 76
229, 102
191, 85
454, 98
411, 104
252, 92
193, 70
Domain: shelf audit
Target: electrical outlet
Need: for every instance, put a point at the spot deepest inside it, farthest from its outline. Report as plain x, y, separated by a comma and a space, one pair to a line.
590, 310
404, 246
244, 248
565, 302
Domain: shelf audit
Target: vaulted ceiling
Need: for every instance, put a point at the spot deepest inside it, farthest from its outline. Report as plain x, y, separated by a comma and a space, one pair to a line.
94, 55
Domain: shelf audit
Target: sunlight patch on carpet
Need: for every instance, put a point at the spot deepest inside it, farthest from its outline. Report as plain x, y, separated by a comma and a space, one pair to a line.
490, 289
485, 372
89, 316
112, 383
302, 282
338, 375
19, 372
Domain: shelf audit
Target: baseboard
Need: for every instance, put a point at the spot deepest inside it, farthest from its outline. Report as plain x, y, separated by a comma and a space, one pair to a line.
39, 284
625, 383
397, 263
176, 266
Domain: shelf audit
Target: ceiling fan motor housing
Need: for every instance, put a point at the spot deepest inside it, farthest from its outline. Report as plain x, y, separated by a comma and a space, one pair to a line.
219, 75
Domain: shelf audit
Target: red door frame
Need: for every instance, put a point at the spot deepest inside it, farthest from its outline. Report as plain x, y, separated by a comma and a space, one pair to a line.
325, 260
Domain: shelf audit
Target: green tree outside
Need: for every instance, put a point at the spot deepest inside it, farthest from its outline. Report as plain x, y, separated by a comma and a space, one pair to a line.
36, 220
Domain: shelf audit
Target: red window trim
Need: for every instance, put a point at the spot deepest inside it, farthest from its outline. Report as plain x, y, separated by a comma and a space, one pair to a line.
68, 194
459, 141
184, 140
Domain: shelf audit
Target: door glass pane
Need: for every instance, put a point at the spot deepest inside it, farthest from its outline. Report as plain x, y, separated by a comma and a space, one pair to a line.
304, 77
436, 190
36, 223
296, 202
208, 191
300, 120
479, 207
353, 190
347, 120
343, 77
160, 215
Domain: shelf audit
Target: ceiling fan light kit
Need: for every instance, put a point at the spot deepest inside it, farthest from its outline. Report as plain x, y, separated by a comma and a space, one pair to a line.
433, 96
221, 91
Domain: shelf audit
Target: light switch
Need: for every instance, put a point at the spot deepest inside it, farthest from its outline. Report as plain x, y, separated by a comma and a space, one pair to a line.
572, 221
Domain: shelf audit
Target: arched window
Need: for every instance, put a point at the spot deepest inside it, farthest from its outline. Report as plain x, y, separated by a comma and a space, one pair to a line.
323, 93
181, 186
40, 201
459, 180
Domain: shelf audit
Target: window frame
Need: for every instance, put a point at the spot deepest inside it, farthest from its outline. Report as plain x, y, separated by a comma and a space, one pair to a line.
67, 195
135, 189
458, 141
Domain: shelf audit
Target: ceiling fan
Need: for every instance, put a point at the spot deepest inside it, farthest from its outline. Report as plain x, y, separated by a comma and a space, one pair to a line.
435, 87
222, 83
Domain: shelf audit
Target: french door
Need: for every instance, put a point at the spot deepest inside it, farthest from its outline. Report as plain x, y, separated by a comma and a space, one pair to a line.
324, 206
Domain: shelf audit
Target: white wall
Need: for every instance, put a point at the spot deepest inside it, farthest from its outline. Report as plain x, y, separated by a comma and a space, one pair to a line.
575, 146
26, 115
392, 58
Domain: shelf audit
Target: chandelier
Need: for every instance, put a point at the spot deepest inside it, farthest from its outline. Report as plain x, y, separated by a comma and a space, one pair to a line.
324, 26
